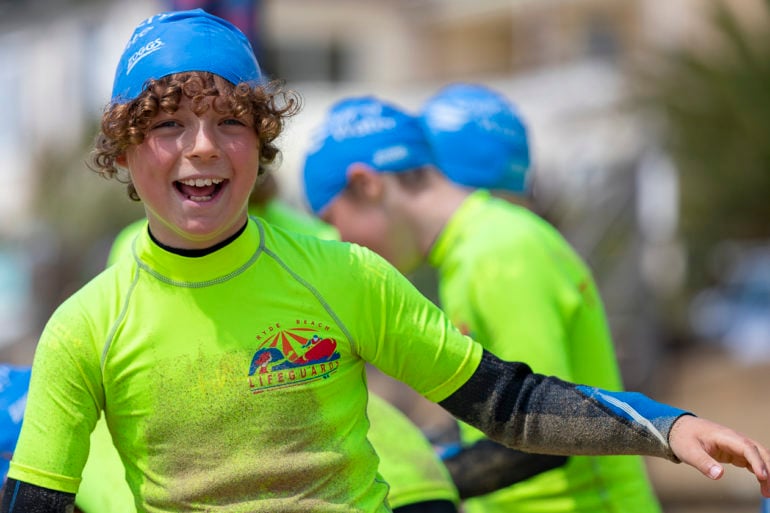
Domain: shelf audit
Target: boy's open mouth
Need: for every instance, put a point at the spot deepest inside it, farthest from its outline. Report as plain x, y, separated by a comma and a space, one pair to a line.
199, 189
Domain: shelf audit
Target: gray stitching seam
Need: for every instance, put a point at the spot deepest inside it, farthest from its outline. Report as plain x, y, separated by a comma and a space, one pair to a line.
143, 267
315, 293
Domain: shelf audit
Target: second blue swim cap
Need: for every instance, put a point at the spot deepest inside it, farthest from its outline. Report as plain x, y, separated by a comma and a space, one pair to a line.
478, 138
363, 130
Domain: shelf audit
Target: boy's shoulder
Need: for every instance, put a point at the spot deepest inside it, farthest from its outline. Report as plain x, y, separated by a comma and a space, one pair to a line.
108, 282
325, 255
521, 224
90, 312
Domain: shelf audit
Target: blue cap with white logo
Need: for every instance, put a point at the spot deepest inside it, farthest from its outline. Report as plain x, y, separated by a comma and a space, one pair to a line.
14, 383
180, 41
361, 130
478, 138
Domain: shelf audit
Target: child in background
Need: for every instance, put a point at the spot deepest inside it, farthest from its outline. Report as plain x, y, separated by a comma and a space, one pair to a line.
506, 277
493, 256
228, 356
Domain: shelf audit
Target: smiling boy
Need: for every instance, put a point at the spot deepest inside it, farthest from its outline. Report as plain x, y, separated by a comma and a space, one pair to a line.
163, 344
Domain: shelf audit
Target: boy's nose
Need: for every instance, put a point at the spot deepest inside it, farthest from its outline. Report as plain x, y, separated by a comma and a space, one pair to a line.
203, 144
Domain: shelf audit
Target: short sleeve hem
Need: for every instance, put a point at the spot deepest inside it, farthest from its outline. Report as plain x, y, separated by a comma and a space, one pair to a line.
423, 492
49, 480
464, 372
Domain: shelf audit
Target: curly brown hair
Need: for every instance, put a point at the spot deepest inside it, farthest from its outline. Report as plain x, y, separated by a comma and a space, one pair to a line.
126, 124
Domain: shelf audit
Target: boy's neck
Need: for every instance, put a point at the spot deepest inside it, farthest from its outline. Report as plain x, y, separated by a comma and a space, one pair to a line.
195, 253
432, 209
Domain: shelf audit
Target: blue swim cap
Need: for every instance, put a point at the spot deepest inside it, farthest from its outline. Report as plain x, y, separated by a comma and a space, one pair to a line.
179, 41
477, 137
14, 383
361, 130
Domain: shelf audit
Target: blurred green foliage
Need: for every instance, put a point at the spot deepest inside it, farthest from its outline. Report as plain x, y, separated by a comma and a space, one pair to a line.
715, 106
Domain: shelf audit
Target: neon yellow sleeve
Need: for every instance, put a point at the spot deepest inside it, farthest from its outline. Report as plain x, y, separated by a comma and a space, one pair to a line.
407, 334
65, 384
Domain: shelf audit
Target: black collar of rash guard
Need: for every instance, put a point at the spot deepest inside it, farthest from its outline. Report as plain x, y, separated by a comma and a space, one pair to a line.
195, 253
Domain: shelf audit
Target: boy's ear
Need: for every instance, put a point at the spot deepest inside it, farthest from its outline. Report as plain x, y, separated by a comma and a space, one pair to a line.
364, 182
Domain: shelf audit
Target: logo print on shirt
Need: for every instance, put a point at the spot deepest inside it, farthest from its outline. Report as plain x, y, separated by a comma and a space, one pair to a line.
292, 357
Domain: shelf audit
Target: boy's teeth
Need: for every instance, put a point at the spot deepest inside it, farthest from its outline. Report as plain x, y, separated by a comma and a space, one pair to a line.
202, 182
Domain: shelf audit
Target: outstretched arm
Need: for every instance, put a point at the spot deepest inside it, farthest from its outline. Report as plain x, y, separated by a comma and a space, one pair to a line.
540, 414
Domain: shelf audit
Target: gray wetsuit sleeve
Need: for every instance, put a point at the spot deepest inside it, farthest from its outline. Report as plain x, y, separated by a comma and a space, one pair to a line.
540, 414
487, 466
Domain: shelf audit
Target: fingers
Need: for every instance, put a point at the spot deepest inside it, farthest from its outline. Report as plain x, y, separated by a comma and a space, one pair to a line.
760, 463
758, 458
705, 445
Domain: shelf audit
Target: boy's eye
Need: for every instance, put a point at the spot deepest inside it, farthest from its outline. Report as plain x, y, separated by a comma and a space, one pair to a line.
234, 122
165, 124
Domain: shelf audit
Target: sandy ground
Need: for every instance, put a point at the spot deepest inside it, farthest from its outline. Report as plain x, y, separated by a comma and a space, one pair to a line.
706, 382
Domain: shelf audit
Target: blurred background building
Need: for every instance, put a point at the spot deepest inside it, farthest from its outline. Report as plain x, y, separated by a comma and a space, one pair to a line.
649, 120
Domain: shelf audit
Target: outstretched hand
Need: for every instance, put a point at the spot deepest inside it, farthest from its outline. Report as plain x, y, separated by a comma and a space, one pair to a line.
704, 445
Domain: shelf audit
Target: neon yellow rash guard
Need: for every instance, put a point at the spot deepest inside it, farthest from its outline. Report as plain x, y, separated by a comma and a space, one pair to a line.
408, 462
407, 459
512, 282
235, 381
